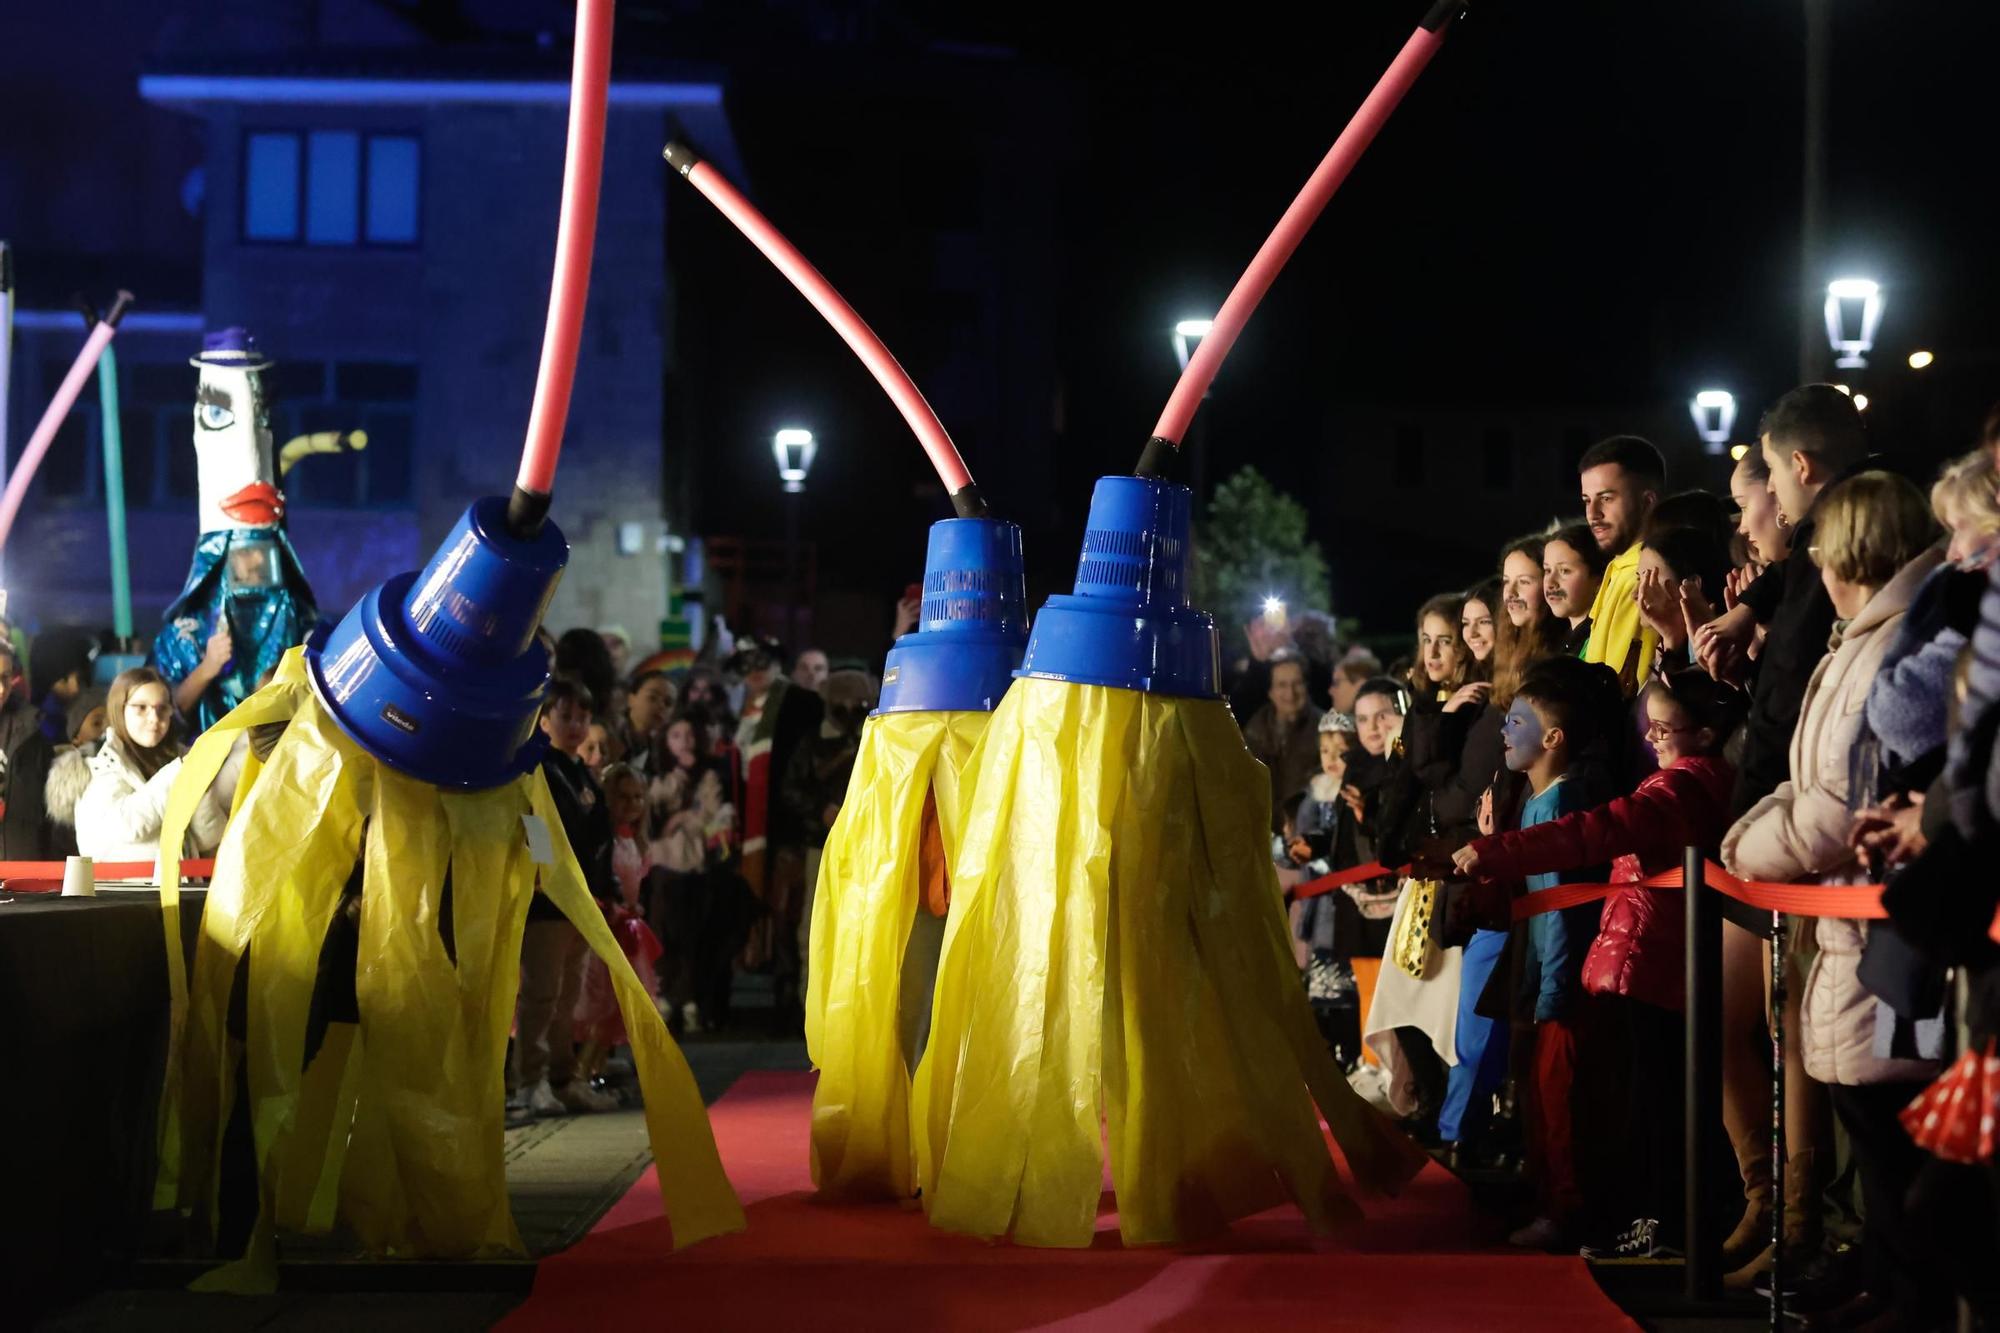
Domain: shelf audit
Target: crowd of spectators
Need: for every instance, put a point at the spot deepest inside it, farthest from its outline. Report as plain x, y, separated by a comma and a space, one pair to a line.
1797, 681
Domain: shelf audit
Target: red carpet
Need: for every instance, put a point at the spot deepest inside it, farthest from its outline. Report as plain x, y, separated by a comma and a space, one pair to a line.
1425, 1260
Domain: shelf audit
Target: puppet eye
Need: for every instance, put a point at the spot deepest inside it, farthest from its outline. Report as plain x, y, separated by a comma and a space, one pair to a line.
214, 416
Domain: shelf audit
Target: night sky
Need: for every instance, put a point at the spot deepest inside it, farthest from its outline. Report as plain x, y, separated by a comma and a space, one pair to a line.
1582, 204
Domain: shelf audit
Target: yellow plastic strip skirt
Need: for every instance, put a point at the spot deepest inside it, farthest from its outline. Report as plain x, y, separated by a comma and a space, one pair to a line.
864, 907
1116, 967
400, 1121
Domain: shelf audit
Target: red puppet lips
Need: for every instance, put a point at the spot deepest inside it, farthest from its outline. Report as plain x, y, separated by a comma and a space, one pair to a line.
257, 504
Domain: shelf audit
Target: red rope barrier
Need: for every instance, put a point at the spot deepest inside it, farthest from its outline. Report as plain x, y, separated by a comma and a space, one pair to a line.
24, 876
1841, 900
1361, 874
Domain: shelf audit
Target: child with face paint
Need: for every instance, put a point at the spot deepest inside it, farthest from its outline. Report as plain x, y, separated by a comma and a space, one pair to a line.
1634, 971
1559, 734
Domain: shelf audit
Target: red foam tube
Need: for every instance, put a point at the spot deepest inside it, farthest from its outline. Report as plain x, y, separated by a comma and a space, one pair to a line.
583, 171
1291, 229
854, 330
52, 420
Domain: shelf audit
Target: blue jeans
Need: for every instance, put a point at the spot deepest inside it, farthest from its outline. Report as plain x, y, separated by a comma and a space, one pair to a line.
1481, 1043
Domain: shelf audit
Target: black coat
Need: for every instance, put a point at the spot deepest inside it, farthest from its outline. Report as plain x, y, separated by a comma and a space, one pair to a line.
25, 756
1790, 601
586, 823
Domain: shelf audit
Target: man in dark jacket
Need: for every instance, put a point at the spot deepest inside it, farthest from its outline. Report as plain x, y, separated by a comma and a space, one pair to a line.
1284, 735
1813, 438
25, 755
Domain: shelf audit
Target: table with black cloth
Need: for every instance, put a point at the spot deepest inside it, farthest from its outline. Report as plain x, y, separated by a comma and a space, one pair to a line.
83, 1030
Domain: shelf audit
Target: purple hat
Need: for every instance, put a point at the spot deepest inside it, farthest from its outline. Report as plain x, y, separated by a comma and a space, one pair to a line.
232, 347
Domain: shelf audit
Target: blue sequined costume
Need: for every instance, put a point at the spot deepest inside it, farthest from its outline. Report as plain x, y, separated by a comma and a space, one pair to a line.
264, 620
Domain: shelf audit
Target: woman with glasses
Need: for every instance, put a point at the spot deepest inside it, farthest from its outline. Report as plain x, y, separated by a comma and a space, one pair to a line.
118, 816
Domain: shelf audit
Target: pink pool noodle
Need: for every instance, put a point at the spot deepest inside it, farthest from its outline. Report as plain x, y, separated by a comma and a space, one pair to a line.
1298, 219
854, 330
58, 409
583, 170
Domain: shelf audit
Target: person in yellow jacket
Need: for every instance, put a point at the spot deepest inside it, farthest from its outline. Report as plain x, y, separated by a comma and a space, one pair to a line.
1621, 478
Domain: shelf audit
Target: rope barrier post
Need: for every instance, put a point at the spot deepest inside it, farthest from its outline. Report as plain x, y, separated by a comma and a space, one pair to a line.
1702, 1092
1777, 1021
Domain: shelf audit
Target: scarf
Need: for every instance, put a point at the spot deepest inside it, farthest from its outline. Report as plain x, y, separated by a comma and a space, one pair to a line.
1617, 636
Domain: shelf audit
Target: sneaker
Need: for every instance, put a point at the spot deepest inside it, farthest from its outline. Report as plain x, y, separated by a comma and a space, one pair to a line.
517, 1116
1541, 1234
577, 1095
542, 1101
1638, 1243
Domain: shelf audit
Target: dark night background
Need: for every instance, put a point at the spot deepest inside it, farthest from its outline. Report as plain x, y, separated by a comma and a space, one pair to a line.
1582, 209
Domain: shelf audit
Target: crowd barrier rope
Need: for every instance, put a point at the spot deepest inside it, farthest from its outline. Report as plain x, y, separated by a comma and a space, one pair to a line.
1841, 900
47, 876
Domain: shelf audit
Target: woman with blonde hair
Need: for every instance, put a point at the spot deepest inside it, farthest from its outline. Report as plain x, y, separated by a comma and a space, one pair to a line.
1874, 543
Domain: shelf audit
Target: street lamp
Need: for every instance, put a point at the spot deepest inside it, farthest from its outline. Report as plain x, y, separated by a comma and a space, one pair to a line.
1853, 310
1187, 336
1921, 358
794, 449
1714, 412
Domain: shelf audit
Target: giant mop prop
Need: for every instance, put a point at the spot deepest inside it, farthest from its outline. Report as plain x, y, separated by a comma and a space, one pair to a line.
1116, 968
409, 757
875, 929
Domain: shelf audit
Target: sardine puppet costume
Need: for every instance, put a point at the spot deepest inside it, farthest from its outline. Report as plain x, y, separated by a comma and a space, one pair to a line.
245, 573
408, 761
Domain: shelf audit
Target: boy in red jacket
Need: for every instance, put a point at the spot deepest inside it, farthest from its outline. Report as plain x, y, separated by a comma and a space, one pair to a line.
1635, 965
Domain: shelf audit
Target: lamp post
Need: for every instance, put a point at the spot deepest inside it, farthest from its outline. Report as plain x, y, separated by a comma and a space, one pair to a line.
1187, 336
794, 449
1714, 412
1853, 312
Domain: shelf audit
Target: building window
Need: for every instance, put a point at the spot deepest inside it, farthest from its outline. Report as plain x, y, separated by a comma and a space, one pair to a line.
333, 183
331, 187
1498, 458
1409, 457
392, 189
379, 397
271, 188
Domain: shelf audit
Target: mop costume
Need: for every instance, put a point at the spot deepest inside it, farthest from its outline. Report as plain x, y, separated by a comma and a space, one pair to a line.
884, 885
1117, 968
408, 763
245, 573
879, 919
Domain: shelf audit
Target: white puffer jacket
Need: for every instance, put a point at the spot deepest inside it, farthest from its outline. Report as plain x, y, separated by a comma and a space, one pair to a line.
1798, 834
119, 815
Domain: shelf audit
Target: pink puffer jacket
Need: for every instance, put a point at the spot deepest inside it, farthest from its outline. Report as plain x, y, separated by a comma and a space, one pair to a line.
1641, 939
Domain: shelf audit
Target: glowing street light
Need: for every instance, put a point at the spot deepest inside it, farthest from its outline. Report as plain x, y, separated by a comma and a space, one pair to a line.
1861, 402
1714, 412
1738, 452
1920, 358
794, 450
1853, 312
1187, 336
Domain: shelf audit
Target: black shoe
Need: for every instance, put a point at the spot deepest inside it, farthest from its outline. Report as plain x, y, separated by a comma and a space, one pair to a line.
1639, 1243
